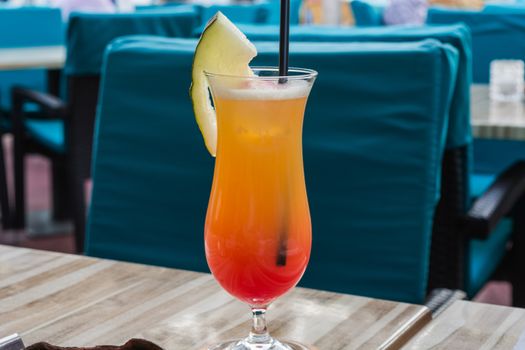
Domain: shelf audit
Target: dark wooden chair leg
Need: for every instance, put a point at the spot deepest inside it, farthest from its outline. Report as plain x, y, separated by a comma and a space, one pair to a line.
4, 197
19, 215
61, 201
518, 255
79, 211
53, 82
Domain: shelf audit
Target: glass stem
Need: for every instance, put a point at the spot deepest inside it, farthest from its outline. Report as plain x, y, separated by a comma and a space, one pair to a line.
259, 333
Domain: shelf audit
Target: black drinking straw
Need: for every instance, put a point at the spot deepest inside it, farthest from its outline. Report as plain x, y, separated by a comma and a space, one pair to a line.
282, 248
284, 37
284, 40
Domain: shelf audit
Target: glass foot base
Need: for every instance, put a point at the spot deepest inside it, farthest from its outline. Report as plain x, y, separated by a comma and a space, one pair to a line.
242, 344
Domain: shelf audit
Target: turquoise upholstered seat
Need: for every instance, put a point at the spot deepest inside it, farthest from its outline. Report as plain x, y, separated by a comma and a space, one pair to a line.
504, 8
366, 15
258, 12
496, 24
489, 30
70, 142
479, 184
371, 232
238, 13
27, 27
85, 52
48, 132
494, 156
456, 35
485, 256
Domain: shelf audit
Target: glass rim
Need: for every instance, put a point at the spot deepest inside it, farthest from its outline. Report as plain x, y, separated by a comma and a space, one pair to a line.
302, 74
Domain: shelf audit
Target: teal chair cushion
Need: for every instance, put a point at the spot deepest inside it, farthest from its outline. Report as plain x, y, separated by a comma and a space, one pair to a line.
152, 174
494, 156
366, 15
490, 28
167, 8
489, 31
33, 26
485, 256
504, 8
85, 50
27, 27
48, 132
237, 13
459, 133
479, 183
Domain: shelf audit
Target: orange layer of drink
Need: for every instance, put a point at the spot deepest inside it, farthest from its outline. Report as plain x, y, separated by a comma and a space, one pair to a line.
258, 229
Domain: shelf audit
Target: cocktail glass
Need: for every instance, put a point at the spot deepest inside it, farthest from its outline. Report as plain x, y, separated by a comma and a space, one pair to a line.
258, 231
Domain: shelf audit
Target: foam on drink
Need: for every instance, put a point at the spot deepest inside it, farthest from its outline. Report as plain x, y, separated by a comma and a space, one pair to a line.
260, 89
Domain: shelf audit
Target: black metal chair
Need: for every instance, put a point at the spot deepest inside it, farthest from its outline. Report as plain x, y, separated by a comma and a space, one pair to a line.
65, 130
25, 26
479, 226
5, 208
463, 224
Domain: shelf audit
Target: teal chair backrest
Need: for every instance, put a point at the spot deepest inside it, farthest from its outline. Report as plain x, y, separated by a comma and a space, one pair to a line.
373, 140
27, 27
237, 13
515, 7
259, 12
459, 130
494, 35
86, 50
366, 14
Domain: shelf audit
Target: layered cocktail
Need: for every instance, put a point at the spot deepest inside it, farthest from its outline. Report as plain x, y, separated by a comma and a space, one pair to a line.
258, 232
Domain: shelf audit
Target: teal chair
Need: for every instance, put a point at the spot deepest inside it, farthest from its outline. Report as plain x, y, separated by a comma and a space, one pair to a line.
27, 27
473, 264
238, 13
248, 13
481, 211
489, 30
257, 12
456, 35
495, 25
372, 173
492, 157
504, 8
366, 14
23, 27
66, 137
457, 261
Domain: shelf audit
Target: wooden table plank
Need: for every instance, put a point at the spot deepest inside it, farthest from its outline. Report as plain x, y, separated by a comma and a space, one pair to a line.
48, 57
496, 120
467, 325
73, 300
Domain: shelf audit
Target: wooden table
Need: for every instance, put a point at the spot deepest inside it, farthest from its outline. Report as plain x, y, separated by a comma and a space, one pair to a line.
48, 57
73, 300
466, 325
496, 120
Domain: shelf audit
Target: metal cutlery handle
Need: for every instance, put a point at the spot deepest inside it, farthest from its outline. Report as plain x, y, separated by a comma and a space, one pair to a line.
12, 342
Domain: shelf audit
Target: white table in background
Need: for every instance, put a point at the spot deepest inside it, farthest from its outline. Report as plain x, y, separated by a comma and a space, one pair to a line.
496, 120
